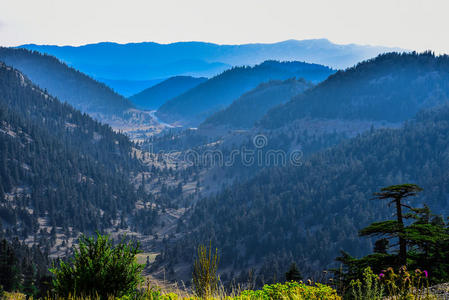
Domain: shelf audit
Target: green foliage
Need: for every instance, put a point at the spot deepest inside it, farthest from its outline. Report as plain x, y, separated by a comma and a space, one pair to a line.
394, 229
99, 268
291, 290
389, 227
399, 191
205, 277
368, 288
153, 293
288, 290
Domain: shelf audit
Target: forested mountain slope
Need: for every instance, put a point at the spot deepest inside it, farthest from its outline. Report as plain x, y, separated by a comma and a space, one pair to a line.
193, 106
153, 97
309, 213
66, 83
244, 112
392, 87
58, 167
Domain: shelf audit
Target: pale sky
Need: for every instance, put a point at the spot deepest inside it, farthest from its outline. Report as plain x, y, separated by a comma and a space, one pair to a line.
409, 24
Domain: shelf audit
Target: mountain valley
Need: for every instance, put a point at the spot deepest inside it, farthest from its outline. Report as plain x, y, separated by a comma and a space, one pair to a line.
320, 142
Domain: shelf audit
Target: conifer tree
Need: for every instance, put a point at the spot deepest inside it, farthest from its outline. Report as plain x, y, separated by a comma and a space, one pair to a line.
394, 229
423, 240
293, 273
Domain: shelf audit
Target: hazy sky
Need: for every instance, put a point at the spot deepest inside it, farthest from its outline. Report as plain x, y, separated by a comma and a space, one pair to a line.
411, 24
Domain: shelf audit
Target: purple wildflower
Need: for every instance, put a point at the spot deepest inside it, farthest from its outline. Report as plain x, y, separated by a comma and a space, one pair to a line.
425, 273
381, 275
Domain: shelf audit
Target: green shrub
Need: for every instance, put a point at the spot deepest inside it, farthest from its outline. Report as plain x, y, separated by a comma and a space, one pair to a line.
154, 293
205, 278
369, 288
99, 269
288, 290
291, 290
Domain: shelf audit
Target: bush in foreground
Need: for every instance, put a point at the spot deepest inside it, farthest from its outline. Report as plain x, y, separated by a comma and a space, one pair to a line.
99, 270
204, 276
291, 290
288, 290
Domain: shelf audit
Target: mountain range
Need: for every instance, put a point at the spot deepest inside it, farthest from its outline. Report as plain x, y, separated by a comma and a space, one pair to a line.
113, 63
198, 103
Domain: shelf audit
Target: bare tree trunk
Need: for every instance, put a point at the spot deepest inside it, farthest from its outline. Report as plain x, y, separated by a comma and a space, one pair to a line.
402, 241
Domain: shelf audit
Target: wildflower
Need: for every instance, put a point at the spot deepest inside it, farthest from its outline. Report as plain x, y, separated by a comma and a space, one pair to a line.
381, 275
403, 271
425, 273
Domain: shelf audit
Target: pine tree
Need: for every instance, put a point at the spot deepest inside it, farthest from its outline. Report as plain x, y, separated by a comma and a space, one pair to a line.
9, 272
293, 273
394, 229
29, 277
423, 240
